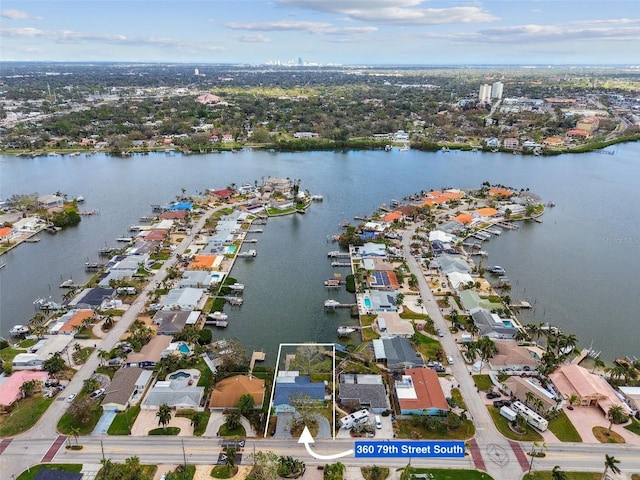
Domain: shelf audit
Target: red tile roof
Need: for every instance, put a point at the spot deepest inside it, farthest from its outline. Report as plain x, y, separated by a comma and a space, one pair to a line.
428, 389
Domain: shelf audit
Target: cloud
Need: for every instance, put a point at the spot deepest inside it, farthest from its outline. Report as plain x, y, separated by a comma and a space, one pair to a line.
555, 33
14, 14
394, 12
253, 38
280, 26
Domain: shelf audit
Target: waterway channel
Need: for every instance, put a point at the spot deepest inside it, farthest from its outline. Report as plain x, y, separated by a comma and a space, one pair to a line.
579, 267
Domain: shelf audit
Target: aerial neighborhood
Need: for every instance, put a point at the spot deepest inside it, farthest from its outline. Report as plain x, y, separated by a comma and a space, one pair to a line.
434, 350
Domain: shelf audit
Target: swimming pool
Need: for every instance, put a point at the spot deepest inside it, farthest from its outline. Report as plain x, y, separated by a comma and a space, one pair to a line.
184, 348
508, 323
216, 277
367, 302
176, 375
230, 249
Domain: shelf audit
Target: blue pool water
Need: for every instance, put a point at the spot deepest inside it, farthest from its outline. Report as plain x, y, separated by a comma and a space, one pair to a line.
508, 323
184, 348
230, 249
216, 277
173, 376
367, 302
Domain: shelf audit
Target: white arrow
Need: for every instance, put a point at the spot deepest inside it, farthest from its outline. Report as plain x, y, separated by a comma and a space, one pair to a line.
307, 439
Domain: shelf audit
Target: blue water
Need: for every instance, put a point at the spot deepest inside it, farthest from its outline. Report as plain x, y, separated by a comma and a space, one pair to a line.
367, 302
230, 249
184, 349
507, 323
176, 375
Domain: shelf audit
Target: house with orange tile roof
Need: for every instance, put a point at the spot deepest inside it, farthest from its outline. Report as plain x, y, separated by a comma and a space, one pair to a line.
393, 217
511, 143
591, 389
486, 212
420, 393
155, 235
227, 392
5, 234
173, 215
577, 133
503, 192
202, 262
71, 321
553, 142
464, 218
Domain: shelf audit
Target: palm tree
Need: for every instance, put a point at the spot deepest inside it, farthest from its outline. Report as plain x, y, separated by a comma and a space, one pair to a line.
233, 419
164, 415
610, 463
196, 420
597, 363
615, 415
529, 397
557, 474
230, 460
75, 432
103, 355
573, 399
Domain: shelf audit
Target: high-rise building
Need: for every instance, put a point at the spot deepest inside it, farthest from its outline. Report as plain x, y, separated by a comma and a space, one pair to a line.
196, 72
485, 93
496, 90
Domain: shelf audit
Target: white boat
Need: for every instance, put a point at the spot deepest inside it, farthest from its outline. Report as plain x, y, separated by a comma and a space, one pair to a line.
79, 199
331, 303
124, 239
404, 148
344, 331
317, 198
237, 287
249, 254
2, 265
498, 270
19, 330
217, 316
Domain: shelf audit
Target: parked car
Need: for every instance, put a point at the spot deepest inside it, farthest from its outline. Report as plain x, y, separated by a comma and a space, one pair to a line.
450, 360
493, 395
440, 333
97, 393
501, 403
71, 397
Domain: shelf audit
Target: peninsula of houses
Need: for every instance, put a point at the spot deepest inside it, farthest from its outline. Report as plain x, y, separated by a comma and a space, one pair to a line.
435, 346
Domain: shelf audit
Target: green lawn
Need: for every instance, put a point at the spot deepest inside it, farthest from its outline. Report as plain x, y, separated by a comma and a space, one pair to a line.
223, 471
634, 426
502, 424
456, 395
165, 431
121, 424
24, 415
483, 382
65, 467
7, 354
570, 476
67, 422
562, 428
225, 432
452, 474
427, 346
409, 428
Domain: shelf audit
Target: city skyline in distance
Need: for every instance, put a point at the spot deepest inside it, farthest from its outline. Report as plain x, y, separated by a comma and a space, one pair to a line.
396, 32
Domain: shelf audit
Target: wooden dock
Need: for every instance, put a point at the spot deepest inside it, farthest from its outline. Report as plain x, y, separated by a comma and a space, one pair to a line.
256, 357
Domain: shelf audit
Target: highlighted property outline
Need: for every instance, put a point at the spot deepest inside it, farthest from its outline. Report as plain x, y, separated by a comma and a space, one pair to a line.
333, 374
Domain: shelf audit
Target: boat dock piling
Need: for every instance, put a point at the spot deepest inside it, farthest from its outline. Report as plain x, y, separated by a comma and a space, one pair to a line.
340, 264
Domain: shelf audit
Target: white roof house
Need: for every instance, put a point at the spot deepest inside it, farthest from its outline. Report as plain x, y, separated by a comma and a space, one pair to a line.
183, 298
458, 278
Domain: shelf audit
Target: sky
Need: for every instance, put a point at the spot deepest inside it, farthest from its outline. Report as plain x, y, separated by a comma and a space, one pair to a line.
357, 32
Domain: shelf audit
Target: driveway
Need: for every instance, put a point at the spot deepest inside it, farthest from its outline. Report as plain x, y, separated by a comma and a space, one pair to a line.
585, 418
105, 422
148, 421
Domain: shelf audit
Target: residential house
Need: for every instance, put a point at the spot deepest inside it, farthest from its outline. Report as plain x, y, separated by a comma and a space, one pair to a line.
182, 299
398, 353
51, 201
531, 393
277, 185
227, 392
492, 326
363, 391
127, 383
179, 393
390, 324
512, 356
170, 322
291, 387
26, 361
419, 393
591, 389
510, 143
10, 389
150, 354
71, 321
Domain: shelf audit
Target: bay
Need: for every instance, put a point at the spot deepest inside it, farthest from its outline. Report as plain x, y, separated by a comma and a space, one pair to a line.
579, 267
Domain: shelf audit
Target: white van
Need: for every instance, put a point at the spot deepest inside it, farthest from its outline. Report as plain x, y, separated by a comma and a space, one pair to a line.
378, 421
355, 418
